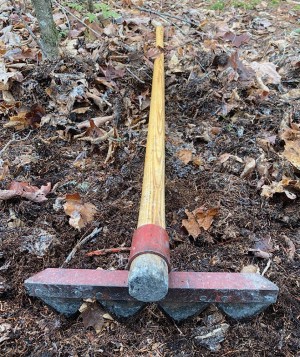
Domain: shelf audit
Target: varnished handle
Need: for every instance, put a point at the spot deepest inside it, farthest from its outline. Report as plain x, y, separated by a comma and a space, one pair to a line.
148, 275
152, 206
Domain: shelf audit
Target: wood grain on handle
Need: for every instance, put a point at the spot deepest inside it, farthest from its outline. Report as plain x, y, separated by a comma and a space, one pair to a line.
152, 207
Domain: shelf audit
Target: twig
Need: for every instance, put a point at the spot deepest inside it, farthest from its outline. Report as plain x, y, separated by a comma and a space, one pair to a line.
162, 16
77, 18
13, 140
19, 12
97, 121
110, 151
138, 124
107, 251
167, 15
80, 244
66, 16
134, 76
102, 138
266, 268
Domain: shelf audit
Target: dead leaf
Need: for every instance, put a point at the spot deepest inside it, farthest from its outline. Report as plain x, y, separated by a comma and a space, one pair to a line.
174, 64
262, 248
291, 151
4, 169
291, 248
24, 189
111, 72
80, 213
244, 70
237, 40
5, 331
185, 156
25, 119
92, 316
191, 225
199, 218
266, 71
205, 216
286, 185
224, 157
250, 269
25, 159
5, 76
249, 167
153, 53
292, 94
18, 121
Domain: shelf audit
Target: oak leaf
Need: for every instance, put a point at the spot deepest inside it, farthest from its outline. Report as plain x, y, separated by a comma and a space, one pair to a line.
199, 218
80, 213
92, 316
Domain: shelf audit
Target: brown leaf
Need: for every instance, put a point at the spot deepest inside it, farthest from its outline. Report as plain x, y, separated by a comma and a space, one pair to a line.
292, 146
291, 248
92, 316
286, 185
111, 72
292, 94
199, 218
18, 121
80, 213
153, 53
35, 115
267, 72
25, 119
246, 73
237, 40
205, 216
4, 169
191, 225
185, 156
24, 189
250, 164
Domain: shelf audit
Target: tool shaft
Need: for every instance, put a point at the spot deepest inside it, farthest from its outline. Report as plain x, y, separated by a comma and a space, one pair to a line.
152, 206
149, 259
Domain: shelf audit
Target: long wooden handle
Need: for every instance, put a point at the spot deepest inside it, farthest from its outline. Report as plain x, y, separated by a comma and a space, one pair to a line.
148, 275
152, 207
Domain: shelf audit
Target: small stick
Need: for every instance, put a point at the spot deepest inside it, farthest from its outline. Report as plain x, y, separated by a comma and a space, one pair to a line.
80, 244
167, 15
134, 76
266, 268
96, 141
97, 121
14, 140
163, 16
108, 251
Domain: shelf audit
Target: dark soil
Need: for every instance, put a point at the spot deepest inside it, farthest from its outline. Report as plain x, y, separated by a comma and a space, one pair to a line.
193, 107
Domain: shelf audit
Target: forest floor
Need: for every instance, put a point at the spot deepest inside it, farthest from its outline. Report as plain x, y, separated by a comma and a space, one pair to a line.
232, 153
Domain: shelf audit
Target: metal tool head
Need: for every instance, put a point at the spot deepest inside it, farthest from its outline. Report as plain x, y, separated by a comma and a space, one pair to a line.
238, 295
